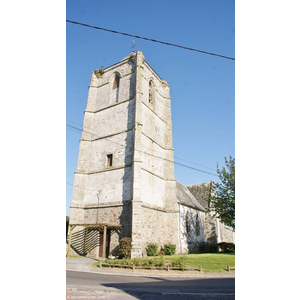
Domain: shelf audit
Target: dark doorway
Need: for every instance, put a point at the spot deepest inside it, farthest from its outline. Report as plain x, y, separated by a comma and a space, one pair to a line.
106, 244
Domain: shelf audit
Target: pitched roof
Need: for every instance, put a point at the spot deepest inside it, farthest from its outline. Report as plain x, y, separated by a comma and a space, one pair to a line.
201, 192
185, 197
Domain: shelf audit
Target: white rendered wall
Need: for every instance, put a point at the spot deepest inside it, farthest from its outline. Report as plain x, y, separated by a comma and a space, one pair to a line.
192, 237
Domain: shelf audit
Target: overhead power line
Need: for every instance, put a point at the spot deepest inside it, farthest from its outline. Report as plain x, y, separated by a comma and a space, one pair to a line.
109, 139
76, 130
151, 40
194, 163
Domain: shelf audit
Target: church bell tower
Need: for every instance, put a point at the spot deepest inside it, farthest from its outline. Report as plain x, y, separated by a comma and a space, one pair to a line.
125, 171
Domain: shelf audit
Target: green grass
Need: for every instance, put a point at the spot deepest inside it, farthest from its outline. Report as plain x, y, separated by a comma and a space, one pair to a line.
74, 256
210, 262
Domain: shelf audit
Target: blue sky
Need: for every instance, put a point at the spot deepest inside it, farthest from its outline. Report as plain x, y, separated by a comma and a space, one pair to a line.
202, 87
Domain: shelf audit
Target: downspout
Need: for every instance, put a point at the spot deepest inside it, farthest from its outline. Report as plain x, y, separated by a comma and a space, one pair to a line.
98, 196
179, 228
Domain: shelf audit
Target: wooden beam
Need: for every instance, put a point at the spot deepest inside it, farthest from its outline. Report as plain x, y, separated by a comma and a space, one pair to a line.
70, 237
85, 239
101, 225
104, 242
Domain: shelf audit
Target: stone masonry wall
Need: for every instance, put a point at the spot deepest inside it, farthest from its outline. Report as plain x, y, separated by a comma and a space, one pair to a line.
116, 214
226, 234
154, 210
159, 227
108, 130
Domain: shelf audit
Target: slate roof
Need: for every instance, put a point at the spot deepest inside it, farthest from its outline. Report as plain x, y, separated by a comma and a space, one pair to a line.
185, 197
201, 192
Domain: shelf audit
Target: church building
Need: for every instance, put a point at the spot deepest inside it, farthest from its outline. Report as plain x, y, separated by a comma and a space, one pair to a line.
124, 185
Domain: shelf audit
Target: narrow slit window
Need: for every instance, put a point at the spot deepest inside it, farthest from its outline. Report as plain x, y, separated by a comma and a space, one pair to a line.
109, 160
151, 92
187, 224
197, 225
116, 82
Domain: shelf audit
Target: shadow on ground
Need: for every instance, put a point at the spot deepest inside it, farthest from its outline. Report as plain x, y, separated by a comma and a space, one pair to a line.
202, 288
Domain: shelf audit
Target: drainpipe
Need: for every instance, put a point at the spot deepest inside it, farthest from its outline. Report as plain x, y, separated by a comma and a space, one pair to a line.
98, 196
209, 196
179, 233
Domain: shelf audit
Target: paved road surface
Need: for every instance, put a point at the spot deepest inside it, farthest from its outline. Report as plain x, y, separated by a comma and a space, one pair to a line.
85, 282
166, 288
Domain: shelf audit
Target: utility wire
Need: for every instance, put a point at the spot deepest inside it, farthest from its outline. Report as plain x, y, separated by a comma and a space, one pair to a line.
194, 163
80, 188
143, 147
151, 40
74, 127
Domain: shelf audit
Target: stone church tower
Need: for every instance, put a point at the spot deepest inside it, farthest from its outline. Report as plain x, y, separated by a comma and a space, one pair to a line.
124, 182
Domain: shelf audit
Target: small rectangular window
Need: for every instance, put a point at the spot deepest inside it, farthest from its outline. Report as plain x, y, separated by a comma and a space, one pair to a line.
109, 160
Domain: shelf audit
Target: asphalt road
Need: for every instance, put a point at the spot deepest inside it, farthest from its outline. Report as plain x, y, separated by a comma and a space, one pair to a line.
111, 286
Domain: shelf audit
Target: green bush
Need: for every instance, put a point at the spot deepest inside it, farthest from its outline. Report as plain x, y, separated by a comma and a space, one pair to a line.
227, 247
205, 247
213, 248
160, 262
195, 248
151, 250
180, 262
125, 247
169, 249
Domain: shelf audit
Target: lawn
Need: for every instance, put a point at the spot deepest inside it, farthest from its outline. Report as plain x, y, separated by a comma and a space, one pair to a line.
210, 262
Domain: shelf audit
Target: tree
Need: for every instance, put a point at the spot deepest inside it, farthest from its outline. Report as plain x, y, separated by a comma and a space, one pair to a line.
223, 194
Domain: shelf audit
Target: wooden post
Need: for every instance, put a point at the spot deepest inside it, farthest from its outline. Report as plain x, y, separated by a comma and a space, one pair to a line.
200, 269
85, 240
228, 268
100, 264
133, 267
69, 243
168, 267
104, 242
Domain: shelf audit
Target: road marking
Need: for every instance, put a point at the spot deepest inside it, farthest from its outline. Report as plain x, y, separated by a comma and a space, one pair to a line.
106, 289
156, 275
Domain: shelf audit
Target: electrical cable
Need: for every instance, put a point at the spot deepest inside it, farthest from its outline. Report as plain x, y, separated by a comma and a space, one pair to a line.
147, 148
145, 152
151, 40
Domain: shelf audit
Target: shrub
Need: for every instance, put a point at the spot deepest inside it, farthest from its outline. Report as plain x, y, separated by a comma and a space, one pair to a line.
180, 262
205, 247
161, 253
125, 247
169, 249
160, 262
213, 248
151, 250
227, 247
195, 248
